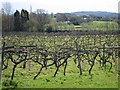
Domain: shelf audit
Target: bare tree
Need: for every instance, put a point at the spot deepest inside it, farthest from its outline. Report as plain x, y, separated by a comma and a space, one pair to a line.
7, 16
42, 19
7, 8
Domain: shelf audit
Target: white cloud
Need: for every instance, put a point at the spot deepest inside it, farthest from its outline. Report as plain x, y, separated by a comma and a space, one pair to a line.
76, 5
67, 5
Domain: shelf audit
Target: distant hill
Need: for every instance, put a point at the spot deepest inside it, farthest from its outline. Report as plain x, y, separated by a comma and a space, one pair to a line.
96, 13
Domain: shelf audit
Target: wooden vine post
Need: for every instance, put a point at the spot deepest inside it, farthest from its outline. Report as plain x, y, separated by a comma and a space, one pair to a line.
1, 61
79, 59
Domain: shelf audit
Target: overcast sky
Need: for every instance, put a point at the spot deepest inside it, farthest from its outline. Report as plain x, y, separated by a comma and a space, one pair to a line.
65, 5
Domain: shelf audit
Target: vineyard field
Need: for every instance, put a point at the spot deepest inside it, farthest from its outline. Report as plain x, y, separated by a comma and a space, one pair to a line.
82, 61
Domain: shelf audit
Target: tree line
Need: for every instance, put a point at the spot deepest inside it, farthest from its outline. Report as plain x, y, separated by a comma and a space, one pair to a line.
41, 21
23, 20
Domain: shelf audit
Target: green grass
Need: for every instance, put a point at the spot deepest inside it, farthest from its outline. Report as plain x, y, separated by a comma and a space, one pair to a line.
94, 25
99, 25
98, 79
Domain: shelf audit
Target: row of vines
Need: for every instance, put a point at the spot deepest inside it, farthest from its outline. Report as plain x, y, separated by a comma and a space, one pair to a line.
47, 51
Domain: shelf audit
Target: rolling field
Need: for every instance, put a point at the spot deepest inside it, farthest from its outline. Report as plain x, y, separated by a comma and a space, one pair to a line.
94, 25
